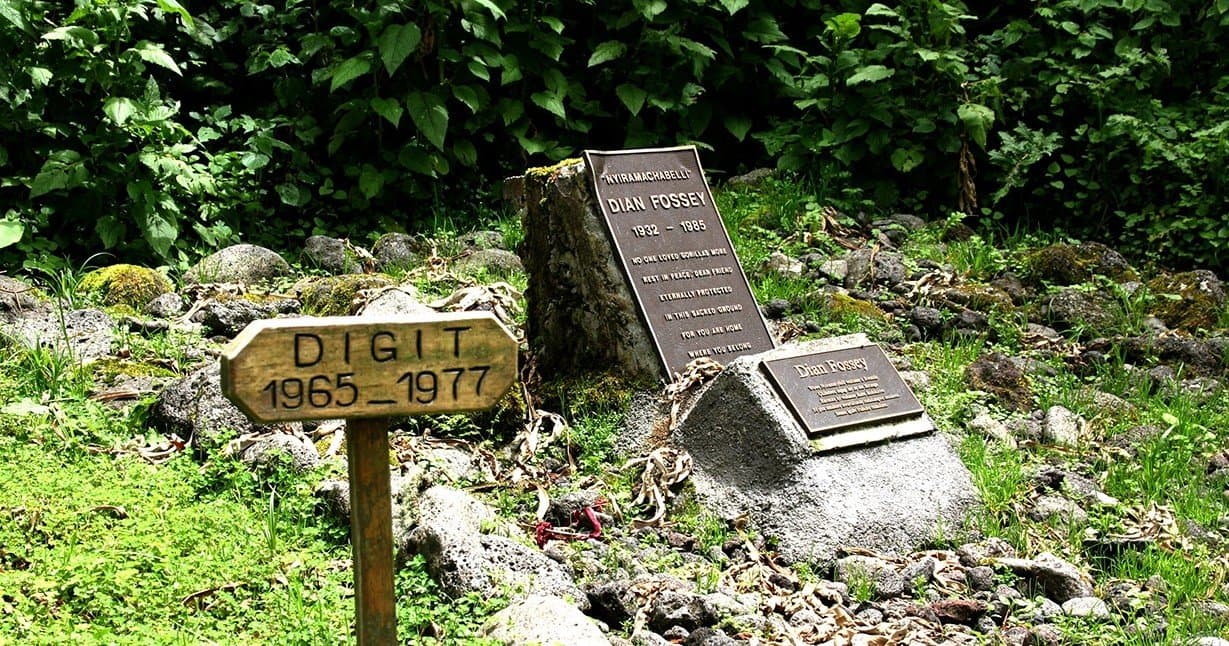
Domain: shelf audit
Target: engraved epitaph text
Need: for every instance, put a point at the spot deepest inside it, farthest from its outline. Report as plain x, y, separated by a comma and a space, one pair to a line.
677, 255
842, 388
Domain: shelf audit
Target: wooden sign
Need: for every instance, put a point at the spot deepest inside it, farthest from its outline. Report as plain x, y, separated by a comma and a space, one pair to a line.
677, 255
300, 368
366, 370
841, 388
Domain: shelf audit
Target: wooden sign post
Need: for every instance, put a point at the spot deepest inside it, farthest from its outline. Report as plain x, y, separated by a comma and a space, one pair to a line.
367, 370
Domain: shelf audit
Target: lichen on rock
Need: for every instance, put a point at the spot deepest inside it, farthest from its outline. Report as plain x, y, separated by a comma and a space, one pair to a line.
124, 285
1064, 264
334, 295
1189, 300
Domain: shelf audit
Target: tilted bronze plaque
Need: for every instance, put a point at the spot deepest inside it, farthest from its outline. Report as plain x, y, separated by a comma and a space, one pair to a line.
677, 255
841, 388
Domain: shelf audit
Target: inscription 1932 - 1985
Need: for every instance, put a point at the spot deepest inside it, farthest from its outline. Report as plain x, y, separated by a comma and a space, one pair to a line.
677, 255
842, 388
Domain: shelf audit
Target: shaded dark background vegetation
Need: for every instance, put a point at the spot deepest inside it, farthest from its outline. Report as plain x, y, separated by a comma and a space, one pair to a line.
158, 130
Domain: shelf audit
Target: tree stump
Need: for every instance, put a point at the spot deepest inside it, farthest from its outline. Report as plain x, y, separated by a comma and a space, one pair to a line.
582, 312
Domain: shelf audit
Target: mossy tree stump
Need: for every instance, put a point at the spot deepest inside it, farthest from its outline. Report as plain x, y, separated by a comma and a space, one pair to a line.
582, 315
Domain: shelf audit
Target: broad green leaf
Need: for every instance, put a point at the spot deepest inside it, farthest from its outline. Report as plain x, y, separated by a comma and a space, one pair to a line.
734, 6
977, 119
293, 194
417, 160
173, 6
465, 152
158, 230
429, 115
75, 36
607, 51
550, 102
469, 96
479, 70
10, 12
906, 159
40, 76
845, 25
632, 97
870, 74
512, 70
397, 43
154, 54
11, 232
281, 57
650, 8
110, 230
878, 9
370, 181
493, 8
738, 126
252, 160
118, 109
63, 169
350, 69
511, 110
390, 109
555, 24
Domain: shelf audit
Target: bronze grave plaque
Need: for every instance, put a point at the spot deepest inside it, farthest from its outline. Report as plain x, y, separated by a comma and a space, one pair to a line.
677, 255
846, 387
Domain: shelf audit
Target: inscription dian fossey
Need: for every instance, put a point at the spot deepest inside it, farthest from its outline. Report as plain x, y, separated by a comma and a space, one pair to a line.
842, 388
677, 255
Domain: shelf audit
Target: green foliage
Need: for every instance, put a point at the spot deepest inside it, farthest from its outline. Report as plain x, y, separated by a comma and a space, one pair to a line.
160, 134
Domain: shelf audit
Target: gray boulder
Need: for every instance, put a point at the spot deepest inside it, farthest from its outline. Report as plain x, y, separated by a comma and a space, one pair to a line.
243, 263
194, 408
496, 262
395, 302
485, 239
85, 335
543, 621
165, 305
866, 268
1070, 308
331, 255
16, 297
300, 452
398, 251
229, 317
1061, 580
1063, 427
462, 559
1086, 607
867, 573
752, 457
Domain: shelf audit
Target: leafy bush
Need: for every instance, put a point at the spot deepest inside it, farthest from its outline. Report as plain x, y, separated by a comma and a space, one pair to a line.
160, 134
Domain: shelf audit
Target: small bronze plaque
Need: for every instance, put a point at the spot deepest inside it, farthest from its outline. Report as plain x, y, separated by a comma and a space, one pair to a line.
841, 388
676, 253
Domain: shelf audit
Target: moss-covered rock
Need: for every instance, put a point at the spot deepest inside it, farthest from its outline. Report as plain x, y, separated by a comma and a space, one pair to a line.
1088, 313
982, 298
1188, 301
1064, 264
998, 375
334, 295
846, 305
124, 285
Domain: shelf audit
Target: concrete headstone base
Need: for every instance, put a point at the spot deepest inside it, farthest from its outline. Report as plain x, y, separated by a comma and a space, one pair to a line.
751, 456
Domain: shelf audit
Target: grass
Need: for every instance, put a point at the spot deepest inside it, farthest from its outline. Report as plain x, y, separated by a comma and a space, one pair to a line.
97, 547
